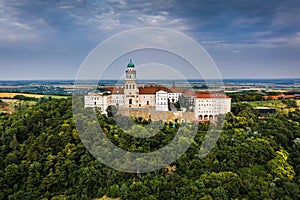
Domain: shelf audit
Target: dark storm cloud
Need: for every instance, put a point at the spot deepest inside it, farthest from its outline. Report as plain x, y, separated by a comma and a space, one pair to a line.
50, 29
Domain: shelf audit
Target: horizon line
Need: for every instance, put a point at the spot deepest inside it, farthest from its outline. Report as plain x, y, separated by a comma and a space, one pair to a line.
67, 79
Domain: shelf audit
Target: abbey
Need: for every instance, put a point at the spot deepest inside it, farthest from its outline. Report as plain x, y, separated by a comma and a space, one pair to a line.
206, 106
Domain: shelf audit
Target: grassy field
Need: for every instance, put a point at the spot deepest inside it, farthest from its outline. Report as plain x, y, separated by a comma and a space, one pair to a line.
274, 104
55, 96
10, 104
269, 103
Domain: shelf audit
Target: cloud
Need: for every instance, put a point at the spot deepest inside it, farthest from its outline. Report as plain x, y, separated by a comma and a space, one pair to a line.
286, 17
229, 21
288, 40
75, 27
17, 27
11, 30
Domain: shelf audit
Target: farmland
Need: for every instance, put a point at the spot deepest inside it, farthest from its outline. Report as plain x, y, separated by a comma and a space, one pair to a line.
11, 101
278, 104
13, 94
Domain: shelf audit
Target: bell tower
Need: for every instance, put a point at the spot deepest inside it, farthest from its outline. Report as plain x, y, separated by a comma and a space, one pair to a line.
131, 90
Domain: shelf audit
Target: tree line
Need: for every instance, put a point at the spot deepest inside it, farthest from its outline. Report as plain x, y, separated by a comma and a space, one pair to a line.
43, 157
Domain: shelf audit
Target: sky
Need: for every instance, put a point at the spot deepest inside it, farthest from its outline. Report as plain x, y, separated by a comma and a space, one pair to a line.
49, 39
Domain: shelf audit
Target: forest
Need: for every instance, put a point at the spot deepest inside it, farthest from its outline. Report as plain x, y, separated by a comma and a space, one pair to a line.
43, 157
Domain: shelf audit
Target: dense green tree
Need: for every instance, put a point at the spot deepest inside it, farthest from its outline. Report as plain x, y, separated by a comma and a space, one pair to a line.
248, 96
44, 157
290, 103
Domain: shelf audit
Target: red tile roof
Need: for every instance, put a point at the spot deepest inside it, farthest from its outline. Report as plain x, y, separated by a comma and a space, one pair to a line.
282, 96
153, 89
289, 96
150, 89
189, 93
176, 90
116, 90
211, 95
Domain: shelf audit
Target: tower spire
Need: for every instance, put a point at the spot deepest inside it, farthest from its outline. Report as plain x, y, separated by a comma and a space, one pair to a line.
130, 64
131, 90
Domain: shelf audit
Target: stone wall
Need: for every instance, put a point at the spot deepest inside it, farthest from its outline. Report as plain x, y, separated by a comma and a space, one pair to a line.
158, 115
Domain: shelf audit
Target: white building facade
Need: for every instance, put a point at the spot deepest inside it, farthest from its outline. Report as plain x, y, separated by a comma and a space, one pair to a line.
161, 101
209, 106
100, 99
117, 97
147, 100
174, 96
205, 106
